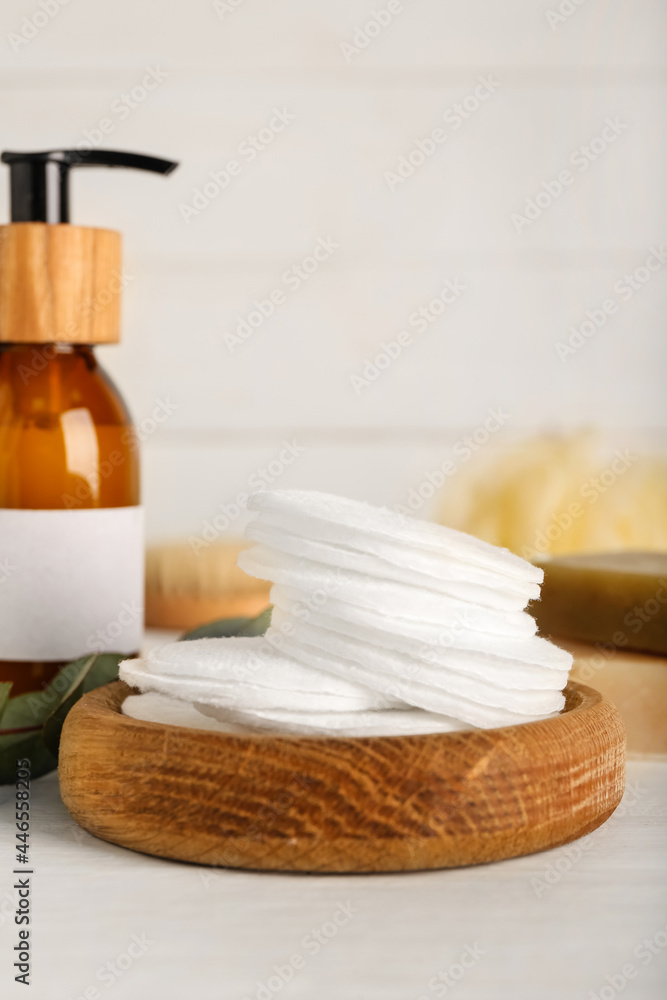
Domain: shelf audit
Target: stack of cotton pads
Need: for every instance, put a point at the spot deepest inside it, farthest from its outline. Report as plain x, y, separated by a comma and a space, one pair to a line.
244, 682
382, 624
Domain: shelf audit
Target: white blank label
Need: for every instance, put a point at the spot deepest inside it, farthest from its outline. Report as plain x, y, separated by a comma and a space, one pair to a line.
71, 582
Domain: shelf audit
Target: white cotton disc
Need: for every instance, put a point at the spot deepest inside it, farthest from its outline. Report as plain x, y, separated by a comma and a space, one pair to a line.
351, 522
165, 711
484, 714
489, 680
456, 615
250, 662
290, 685
383, 625
533, 662
448, 577
409, 722
383, 597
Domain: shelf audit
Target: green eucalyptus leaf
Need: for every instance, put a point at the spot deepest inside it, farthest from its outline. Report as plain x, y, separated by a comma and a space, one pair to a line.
30, 724
221, 629
87, 673
53, 723
5, 691
21, 733
225, 628
258, 625
28, 711
19, 746
103, 671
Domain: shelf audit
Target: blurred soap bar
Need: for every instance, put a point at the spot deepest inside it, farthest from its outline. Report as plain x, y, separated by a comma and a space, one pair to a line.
619, 598
635, 682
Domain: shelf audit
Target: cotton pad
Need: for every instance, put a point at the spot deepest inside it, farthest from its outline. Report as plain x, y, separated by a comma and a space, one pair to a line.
336, 519
380, 596
271, 680
532, 658
399, 553
241, 695
485, 711
417, 569
154, 707
157, 708
507, 683
458, 616
410, 722
382, 625
383, 596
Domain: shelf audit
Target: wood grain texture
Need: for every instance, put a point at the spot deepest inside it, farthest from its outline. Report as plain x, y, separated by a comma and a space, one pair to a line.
59, 284
341, 805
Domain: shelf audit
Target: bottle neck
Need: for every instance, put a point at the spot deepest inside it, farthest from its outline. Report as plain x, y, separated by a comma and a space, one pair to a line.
48, 351
28, 361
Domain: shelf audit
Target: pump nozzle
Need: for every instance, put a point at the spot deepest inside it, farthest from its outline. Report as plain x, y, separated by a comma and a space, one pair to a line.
40, 181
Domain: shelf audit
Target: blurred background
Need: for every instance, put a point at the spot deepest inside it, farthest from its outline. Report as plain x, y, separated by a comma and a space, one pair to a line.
413, 253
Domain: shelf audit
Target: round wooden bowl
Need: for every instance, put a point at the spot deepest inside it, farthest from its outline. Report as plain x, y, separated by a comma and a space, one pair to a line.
322, 804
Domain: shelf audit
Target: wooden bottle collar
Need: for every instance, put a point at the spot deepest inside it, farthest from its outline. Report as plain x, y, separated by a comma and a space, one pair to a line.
59, 284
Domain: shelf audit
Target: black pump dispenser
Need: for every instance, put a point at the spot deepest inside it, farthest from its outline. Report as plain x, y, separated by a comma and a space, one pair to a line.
40, 181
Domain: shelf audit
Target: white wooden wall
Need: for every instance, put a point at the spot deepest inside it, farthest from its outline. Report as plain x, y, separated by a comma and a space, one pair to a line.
218, 74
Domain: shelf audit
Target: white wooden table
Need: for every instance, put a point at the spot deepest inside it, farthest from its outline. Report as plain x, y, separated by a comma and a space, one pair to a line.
548, 927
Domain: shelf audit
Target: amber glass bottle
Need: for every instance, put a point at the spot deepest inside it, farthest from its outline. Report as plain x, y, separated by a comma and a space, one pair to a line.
66, 443
71, 527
